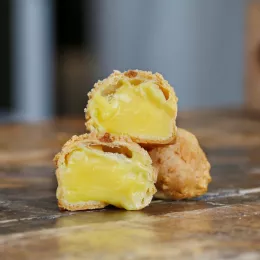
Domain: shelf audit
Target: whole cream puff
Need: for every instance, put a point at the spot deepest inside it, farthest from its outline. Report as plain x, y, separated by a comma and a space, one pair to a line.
183, 169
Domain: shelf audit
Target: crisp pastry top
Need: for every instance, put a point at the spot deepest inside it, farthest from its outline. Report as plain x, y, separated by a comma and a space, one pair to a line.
135, 103
184, 171
96, 170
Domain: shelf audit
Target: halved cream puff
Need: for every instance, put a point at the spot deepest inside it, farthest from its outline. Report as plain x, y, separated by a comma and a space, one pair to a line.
95, 171
184, 171
135, 103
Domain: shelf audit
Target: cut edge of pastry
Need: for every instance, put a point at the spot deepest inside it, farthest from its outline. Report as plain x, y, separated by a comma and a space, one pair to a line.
64, 205
165, 87
104, 140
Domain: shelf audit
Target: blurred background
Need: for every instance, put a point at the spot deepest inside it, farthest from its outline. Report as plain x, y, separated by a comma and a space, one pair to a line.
52, 52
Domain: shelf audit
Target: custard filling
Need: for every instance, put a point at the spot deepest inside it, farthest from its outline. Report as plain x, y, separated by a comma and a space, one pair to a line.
136, 108
115, 176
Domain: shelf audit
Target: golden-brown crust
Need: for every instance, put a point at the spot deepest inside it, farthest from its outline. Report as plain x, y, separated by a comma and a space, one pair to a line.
93, 139
183, 168
131, 73
64, 205
163, 84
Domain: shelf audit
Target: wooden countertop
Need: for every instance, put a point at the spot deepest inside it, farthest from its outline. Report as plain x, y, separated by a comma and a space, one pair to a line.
225, 223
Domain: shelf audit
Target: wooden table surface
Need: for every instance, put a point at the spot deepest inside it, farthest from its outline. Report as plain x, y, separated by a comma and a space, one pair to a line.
223, 224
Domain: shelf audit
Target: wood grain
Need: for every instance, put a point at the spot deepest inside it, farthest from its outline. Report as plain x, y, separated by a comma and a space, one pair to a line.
222, 224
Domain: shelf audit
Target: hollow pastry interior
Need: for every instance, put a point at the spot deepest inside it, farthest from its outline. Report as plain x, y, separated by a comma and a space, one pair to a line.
115, 175
138, 106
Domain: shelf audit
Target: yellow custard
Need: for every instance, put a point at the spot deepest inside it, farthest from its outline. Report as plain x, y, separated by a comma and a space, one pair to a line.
137, 110
114, 178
